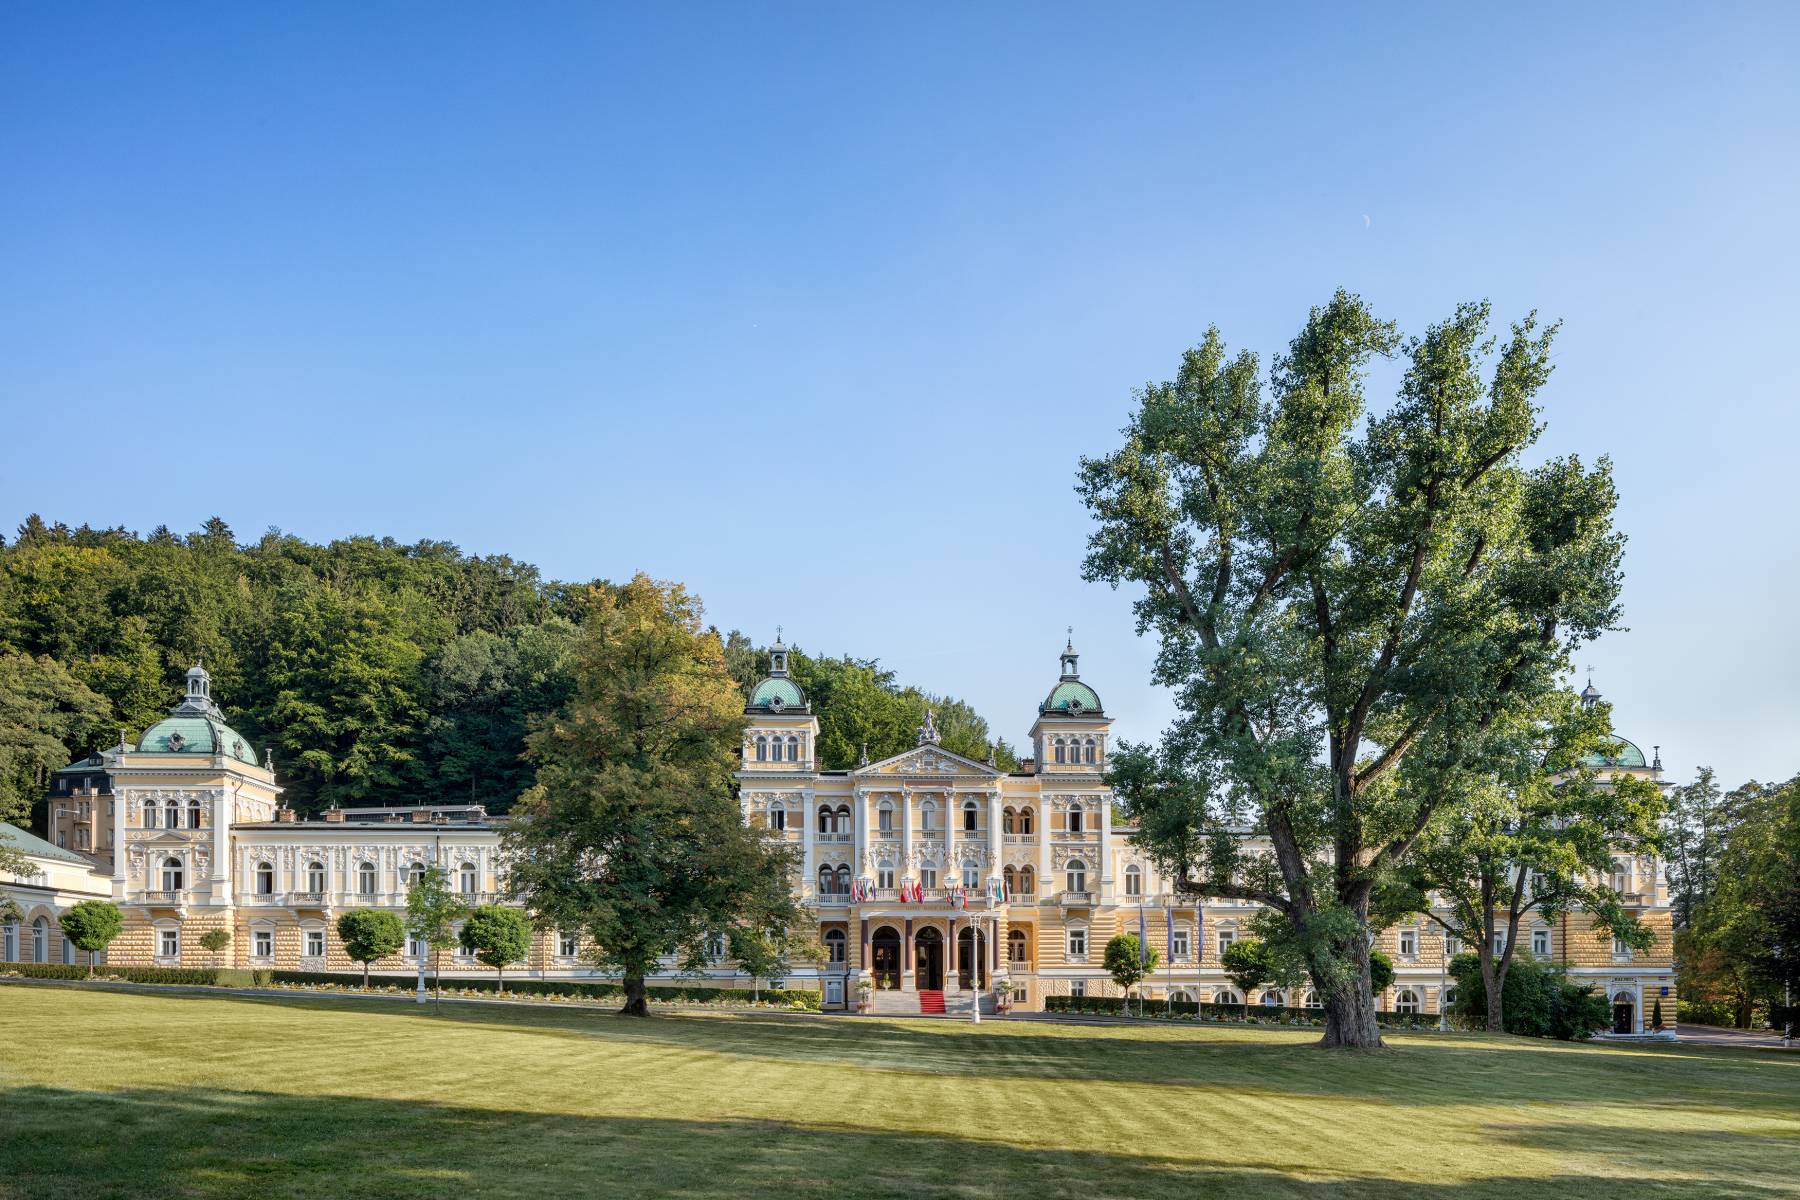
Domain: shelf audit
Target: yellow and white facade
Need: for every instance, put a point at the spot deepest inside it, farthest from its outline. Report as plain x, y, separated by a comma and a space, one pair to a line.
932, 877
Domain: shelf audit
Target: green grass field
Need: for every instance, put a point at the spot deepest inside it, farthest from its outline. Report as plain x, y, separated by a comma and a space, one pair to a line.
115, 1094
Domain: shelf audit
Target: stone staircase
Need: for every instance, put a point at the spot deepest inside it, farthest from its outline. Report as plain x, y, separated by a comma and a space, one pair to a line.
931, 1003
896, 1003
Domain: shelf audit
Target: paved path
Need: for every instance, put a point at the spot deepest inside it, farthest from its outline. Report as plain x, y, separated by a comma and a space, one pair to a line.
1714, 1035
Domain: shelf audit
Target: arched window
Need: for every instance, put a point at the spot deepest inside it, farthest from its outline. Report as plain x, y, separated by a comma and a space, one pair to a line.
365, 879
150, 811
1134, 881
927, 815
971, 874
1017, 948
173, 814
415, 874
1311, 999
793, 749
884, 816
1088, 751
1226, 996
471, 878
9, 942
1449, 998
1024, 820
834, 945
969, 816
193, 814
715, 946
884, 874
826, 824
1027, 881
827, 882
265, 879
171, 875
1057, 751
1076, 873
315, 877
1272, 998
1076, 817
928, 877
1406, 1000
778, 817
1010, 878
762, 749
1009, 820
843, 819
40, 941
1181, 996
843, 881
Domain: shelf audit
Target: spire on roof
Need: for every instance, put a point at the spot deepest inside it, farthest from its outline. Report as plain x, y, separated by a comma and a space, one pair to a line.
778, 657
1590, 695
1069, 657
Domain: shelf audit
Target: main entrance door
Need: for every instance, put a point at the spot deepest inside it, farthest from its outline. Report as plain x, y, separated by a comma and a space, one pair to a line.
1624, 1013
929, 968
965, 958
884, 951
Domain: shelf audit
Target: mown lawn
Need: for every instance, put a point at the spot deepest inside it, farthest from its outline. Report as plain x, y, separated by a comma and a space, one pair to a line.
115, 1094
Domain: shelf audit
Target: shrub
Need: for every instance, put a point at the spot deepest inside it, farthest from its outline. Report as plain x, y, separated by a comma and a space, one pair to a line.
1536, 1000
190, 976
1705, 1012
806, 999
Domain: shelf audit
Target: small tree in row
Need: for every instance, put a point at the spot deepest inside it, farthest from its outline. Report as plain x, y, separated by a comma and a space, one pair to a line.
1129, 961
369, 934
91, 926
496, 935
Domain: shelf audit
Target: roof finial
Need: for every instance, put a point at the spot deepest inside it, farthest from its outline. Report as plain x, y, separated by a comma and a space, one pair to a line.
864, 760
928, 732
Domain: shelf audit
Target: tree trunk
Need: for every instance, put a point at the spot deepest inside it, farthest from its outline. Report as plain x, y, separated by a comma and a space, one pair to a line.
500, 979
365, 975
1350, 1005
1493, 986
636, 1002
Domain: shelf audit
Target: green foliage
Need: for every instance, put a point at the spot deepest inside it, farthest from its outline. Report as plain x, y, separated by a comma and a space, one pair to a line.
1250, 964
1381, 972
43, 711
432, 910
1335, 590
631, 833
215, 940
1656, 1014
369, 934
496, 934
858, 703
1539, 1000
1128, 961
91, 925
185, 976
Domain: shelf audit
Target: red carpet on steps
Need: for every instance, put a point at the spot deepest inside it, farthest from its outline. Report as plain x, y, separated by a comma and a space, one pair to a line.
931, 1002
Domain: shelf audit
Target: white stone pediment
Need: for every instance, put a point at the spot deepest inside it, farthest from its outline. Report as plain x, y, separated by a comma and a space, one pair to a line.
927, 760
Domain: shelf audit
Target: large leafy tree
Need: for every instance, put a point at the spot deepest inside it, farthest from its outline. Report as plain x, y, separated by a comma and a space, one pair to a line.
46, 717
631, 833
1333, 589
1522, 826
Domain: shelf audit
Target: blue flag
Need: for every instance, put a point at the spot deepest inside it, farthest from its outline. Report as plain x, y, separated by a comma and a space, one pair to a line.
1143, 938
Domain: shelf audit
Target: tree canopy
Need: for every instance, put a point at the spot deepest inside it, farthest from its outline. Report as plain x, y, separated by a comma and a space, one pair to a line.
1335, 589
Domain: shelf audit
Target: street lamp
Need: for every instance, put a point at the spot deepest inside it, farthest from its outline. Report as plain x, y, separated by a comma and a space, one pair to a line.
975, 960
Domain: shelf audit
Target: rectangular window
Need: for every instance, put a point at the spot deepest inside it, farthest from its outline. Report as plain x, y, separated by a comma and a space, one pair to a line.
1540, 942
415, 945
168, 943
884, 820
1075, 820
884, 875
315, 943
1452, 945
778, 819
1226, 938
1078, 987
1182, 947
1409, 943
1078, 943
262, 943
928, 877
1499, 942
1621, 951
567, 945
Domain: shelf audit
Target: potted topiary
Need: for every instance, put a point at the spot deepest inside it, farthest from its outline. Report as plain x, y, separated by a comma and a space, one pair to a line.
864, 986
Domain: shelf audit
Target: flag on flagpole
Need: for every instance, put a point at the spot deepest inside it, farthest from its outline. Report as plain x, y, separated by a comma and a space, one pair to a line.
1143, 938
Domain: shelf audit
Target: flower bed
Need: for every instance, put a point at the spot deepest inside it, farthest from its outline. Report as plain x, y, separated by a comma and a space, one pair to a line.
1234, 1014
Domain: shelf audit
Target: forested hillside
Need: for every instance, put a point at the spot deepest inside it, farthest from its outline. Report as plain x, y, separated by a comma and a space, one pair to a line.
377, 672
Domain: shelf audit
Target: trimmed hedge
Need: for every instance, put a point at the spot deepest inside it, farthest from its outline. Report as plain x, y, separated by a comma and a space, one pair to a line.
1252, 1014
797, 997
192, 976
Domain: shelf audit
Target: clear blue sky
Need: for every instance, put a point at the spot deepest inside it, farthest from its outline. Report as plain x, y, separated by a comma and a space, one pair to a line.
610, 292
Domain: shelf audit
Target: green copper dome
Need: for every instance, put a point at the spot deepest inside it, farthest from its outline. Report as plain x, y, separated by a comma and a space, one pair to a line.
1072, 696
1623, 754
777, 693
193, 734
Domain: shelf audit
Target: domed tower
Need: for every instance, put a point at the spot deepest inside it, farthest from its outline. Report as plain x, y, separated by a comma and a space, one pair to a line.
1621, 757
783, 731
1069, 735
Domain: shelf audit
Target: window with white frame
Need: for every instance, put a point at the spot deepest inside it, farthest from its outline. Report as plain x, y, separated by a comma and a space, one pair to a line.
1027, 881
1078, 943
1621, 950
168, 942
1406, 1001
315, 877
171, 875
1134, 881
314, 943
1181, 944
567, 944
471, 879
1409, 943
971, 816
1452, 945
927, 816
1621, 876
971, 874
1075, 875
1226, 996
1540, 941
715, 946
262, 944
1026, 816
778, 819
835, 943
1077, 987
762, 749
884, 817
1075, 819
366, 879
1499, 942
827, 824
415, 945
1226, 939
1272, 998
265, 879
884, 874
928, 877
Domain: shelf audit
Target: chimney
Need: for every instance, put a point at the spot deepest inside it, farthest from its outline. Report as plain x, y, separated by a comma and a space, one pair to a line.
334, 815
286, 816
421, 816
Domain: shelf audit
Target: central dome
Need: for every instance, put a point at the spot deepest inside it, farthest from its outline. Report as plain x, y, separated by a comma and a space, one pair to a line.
777, 693
195, 734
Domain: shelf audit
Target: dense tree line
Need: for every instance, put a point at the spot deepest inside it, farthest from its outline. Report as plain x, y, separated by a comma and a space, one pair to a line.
376, 671
1734, 876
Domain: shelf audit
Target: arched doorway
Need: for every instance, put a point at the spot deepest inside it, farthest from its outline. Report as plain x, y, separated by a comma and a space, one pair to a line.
965, 948
928, 966
1624, 1012
884, 953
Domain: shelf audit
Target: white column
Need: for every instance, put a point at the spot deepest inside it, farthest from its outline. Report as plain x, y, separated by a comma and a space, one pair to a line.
1106, 862
224, 809
1043, 836
807, 817
993, 832
905, 832
859, 819
121, 800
